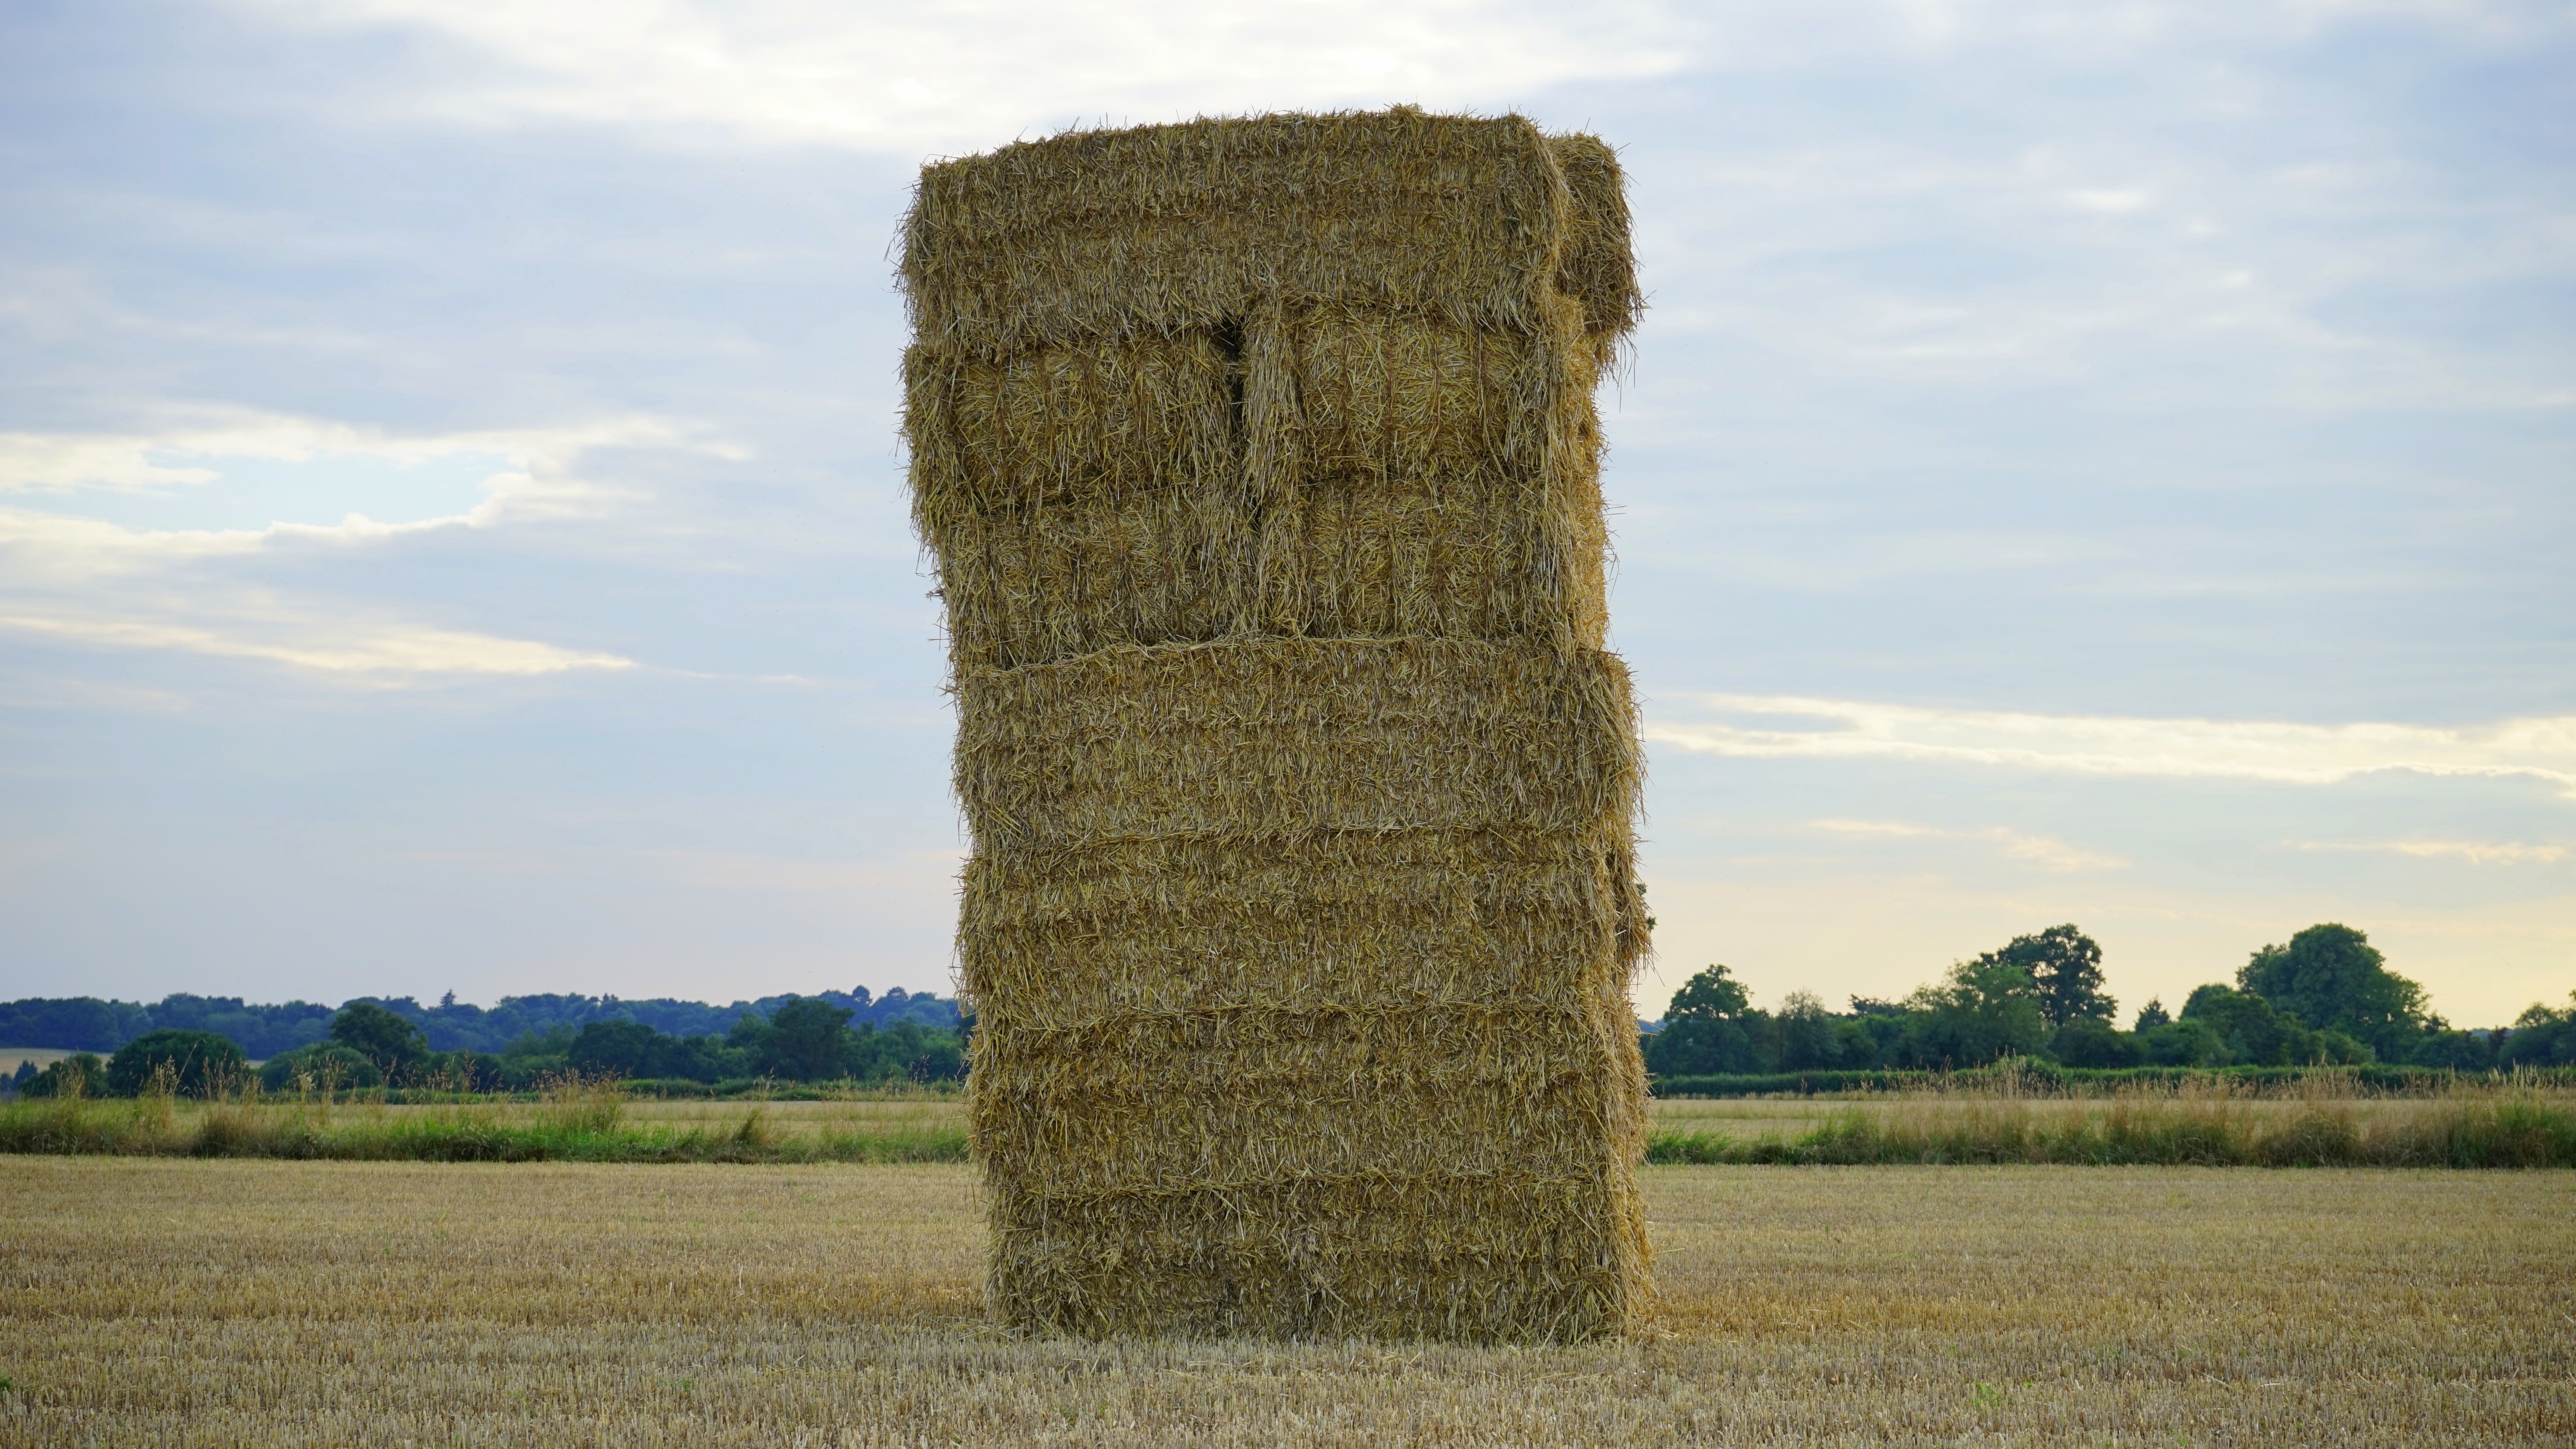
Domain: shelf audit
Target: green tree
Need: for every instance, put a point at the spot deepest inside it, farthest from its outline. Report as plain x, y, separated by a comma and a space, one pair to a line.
2256, 1033
2089, 1041
199, 1063
77, 1075
1987, 1009
1809, 1039
2152, 1015
2065, 967
805, 1040
1710, 995
2331, 978
1710, 1027
2542, 1036
392, 1045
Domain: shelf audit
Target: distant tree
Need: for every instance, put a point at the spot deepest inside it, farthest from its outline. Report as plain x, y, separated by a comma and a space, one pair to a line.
2065, 968
2183, 1044
325, 1066
1710, 995
392, 1045
805, 1040
2542, 1036
2089, 1041
2255, 1033
1710, 1028
1807, 1033
2152, 1015
616, 1048
1986, 1009
2331, 978
198, 1064
81, 1074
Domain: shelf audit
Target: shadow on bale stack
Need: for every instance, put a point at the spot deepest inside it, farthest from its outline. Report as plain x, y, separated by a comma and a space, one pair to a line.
1259, 462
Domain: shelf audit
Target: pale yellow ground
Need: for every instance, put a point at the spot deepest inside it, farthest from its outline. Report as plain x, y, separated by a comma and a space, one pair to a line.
43, 1057
174, 1302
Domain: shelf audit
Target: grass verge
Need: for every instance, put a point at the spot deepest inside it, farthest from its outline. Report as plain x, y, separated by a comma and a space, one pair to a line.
581, 1127
2464, 1130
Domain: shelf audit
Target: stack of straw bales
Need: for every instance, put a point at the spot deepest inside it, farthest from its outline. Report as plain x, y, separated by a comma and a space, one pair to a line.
1259, 462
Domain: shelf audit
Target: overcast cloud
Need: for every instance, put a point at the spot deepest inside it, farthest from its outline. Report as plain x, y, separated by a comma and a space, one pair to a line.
2103, 463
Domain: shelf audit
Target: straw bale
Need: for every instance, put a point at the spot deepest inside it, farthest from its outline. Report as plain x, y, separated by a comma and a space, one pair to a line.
1159, 230
1385, 475
1596, 263
1058, 937
1259, 463
1512, 1256
1284, 736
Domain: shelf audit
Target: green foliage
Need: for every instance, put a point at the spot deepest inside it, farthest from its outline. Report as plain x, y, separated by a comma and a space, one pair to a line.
2253, 1031
392, 1045
2542, 1037
325, 1066
2152, 1015
2332, 979
1711, 995
82, 1074
1988, 1009
2090, 1041
2065, 968
193, 1063
2183, 1044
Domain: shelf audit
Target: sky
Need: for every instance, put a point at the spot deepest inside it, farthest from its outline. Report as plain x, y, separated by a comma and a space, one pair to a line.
2103, 463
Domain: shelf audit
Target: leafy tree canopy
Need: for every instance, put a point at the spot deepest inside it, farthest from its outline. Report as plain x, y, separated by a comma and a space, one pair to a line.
196, 1063
384, 1039
1711, 995
2065, 968
2330, 977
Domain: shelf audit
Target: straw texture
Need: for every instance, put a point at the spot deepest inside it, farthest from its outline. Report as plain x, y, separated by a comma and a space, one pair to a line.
1259, 463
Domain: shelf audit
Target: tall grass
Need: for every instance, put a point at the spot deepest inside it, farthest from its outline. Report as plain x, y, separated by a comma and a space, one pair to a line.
2501, 1123
2504, 1123
574, 1121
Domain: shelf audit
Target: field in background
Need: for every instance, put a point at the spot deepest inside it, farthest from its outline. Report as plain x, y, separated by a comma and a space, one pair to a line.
43, 1057
158, 1302
2471, 1123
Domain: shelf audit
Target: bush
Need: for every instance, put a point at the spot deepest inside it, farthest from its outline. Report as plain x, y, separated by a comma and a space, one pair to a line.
325, 1066
194, 1064
79, 1075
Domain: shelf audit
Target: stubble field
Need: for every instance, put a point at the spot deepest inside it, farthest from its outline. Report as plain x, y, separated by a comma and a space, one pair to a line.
175, 1302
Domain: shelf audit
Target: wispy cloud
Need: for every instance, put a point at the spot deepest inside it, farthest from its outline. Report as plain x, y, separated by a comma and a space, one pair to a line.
1785, 727
915, 78
2475, 852
383, 648
2045, 851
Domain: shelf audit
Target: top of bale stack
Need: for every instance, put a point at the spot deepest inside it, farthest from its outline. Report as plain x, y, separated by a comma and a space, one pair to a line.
1096, 235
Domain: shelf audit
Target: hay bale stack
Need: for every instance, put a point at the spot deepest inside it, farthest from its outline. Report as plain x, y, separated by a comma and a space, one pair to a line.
1259, 462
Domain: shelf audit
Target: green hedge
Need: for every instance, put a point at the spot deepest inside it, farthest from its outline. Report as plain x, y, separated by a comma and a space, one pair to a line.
2047, 1076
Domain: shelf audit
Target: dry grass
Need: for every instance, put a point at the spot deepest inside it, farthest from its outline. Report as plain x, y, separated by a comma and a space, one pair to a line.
187, 1303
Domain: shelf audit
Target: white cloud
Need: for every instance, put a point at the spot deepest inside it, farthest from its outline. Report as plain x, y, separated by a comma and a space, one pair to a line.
1796, 728
2045, 851
377, 648
2475, 852
910, 78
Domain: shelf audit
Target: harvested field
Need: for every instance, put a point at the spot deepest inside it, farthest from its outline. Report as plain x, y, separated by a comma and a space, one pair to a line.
178, 1303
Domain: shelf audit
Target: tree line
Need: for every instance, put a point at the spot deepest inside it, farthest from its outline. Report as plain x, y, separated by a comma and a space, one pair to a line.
89, 1024
2326, 997
366, 1044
